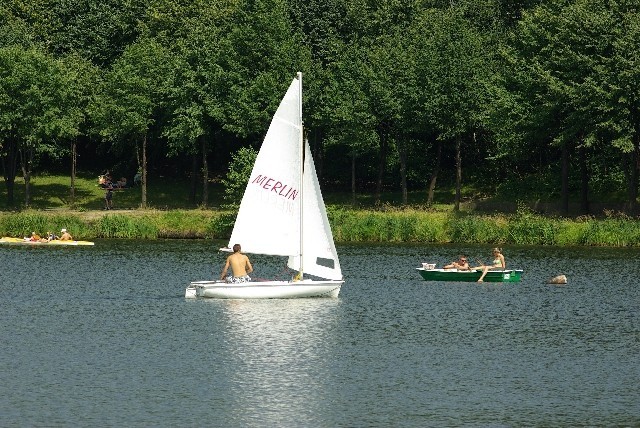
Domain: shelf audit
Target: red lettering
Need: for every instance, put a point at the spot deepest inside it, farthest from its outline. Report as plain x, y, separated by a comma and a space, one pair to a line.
259, 179
267, 185
276, 186
285, 187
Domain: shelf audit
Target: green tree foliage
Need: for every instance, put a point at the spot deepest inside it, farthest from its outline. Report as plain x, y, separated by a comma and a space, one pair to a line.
133, 98
97, 30
261, 56
568, 88
451, 74
34, 115
197, 96
238, 176
385, 83
81, 80
344, 113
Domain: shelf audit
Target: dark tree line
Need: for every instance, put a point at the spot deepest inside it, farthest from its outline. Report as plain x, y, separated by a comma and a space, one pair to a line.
396, 92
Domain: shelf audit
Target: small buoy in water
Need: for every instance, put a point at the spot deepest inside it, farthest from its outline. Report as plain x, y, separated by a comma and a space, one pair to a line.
560, 279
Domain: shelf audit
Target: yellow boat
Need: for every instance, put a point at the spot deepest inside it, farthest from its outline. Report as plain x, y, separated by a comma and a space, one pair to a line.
26, 241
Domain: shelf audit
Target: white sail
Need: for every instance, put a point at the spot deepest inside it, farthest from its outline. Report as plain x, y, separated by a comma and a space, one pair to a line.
320, 257
268, 219
282, 213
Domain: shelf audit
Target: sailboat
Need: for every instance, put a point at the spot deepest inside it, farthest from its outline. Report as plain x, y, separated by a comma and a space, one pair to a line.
282, 213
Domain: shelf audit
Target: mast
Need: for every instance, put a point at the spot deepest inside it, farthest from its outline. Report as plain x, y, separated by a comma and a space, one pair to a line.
301, 183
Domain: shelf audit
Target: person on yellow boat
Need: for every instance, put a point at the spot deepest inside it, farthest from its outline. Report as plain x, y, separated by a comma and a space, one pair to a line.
65, 235
498, 263
35, 237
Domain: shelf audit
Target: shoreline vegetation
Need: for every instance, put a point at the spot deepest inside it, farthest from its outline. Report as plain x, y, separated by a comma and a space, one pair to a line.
395, 225
176, 218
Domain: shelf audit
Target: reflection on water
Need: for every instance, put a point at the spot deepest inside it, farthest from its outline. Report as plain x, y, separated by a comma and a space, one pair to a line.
103, 336
278, 351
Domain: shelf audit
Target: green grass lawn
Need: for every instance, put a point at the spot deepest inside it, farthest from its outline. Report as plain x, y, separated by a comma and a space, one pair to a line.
52, 192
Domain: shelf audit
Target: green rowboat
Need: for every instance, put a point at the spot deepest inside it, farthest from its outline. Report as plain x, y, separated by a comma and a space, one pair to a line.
454, 275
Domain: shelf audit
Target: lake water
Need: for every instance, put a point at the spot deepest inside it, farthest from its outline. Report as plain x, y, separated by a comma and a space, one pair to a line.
102, 336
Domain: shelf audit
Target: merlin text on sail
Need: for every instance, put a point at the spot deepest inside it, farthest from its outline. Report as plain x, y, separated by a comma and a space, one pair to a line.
275, 186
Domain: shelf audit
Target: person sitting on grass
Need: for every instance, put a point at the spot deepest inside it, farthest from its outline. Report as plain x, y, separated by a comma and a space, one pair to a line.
122, 183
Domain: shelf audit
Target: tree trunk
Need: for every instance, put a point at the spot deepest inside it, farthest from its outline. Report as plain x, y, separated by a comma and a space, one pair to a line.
434, 174
632, 191
205, 173
353, 178
584, 181
382, 160
74, 158
402, 155
632, 184
564, 192
26, 161
194, 179
143, 205
456, 206
10, 169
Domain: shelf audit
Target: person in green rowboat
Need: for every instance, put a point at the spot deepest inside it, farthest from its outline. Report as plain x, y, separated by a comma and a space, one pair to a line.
460, 264
498, 263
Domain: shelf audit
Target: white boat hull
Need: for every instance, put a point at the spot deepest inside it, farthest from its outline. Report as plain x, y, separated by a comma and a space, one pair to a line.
264, 290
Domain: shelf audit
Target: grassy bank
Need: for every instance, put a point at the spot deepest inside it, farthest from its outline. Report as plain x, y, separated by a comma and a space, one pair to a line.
175, 217
391, 225
53, 192
132, 224
522, 228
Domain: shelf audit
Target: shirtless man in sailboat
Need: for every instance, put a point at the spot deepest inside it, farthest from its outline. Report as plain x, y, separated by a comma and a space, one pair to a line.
240, 266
